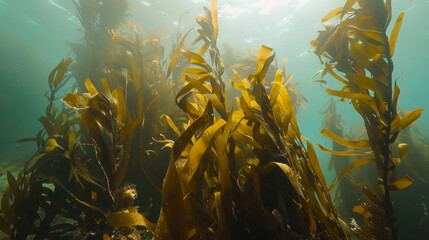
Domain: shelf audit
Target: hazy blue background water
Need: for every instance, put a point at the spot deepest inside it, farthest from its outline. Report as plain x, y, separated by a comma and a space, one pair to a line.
33, 36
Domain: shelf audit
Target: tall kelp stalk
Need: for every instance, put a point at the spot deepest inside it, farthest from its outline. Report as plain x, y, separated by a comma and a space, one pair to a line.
242, 174
410, 204
359, 49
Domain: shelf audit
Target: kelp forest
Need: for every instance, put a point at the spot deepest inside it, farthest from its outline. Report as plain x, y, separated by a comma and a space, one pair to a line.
200, 143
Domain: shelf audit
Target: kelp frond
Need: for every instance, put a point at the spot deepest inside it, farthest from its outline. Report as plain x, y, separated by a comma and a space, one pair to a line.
358, 53
224, 171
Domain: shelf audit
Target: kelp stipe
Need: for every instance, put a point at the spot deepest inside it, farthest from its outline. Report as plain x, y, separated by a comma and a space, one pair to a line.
359, 48
351, 173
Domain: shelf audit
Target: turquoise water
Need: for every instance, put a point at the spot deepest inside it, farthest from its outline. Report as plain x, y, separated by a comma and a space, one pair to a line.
34, 36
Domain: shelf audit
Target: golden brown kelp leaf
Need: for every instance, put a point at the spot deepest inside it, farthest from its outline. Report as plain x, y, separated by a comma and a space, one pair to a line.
245, 66
56, 77
359, 49
110, 130
415, 160
411, 202
173, 216
195, 171
372, 210
204, 85
276, 139
128, 219
148, 95
108, 127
